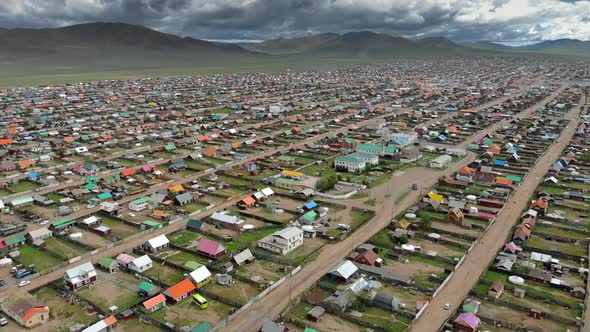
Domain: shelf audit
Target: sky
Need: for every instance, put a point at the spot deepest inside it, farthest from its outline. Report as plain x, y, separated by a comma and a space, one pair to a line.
507, 21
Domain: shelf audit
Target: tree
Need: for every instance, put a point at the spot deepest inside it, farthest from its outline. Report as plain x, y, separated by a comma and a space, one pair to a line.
327, 182
425, 223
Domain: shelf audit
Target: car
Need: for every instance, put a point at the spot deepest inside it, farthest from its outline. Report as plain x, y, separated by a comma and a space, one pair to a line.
447, 306
3, 321
23, 283
414, 186
44, 222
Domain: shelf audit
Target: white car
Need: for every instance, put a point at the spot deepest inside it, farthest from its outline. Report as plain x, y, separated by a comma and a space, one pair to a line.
23, 283
447, 306
44, 222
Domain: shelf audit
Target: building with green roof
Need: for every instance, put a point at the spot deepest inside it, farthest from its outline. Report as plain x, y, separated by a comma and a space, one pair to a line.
380, 150
62, 224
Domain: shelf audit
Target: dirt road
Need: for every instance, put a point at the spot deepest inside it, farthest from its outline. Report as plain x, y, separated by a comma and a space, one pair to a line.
467, 275
272, 305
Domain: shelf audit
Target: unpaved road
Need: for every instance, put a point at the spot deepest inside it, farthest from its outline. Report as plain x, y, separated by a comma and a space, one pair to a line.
476, 262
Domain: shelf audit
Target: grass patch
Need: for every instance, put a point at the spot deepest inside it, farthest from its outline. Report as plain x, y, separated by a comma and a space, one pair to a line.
64, 248
41, 259
24, 186
401, 198
370, 202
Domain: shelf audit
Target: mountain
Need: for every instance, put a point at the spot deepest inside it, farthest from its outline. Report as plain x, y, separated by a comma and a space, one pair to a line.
108, 46
361, 43
293, 45
486, 45
571, 47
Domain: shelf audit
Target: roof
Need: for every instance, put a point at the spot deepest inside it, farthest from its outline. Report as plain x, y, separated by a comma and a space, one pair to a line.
248, 200
146, 286
468, 318
125, 258
344, 269
101, 325
63, 223
288, 233
267, 191
142, 261
75, 272
183, 287
106, 261
203, 327
158, 241
291, 173
209, 247
200, 274
154, 301
243, 256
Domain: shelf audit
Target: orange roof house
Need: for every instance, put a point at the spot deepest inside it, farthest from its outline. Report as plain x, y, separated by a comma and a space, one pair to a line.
6, 141
26, 309
210, 152
494, 149
69, 139
128, 172
246, 202
154, 303
175, 188
504, 181
24, 164
466, 171
180, 290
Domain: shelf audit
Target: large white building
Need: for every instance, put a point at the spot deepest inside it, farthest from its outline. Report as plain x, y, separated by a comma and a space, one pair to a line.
356, 161
282, 242
441, 161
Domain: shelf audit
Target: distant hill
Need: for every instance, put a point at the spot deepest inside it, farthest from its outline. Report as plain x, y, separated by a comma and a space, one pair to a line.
110, 44
361, 43
572, 47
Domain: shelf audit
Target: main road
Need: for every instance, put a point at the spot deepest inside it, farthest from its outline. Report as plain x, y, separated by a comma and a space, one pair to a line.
466, 276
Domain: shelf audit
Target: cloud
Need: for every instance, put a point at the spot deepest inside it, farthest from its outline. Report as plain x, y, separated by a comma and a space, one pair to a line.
495, 20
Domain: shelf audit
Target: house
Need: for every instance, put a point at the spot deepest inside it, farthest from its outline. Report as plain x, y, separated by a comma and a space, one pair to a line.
496, 289
316, 313
270, 326
38, 235
15, 241
184, 198
441, 161
579, 292
210, 248
343, 272
200, 276
140, 204
403, 139
539, 276
389, 302
456, 215
521, 234
376, 149
141, 264
349, 164
25, 309
92, 220
466, 322
156, 244
180, 291
339, 301
282, 241
243, 257
80, 276
108, 264
103, 325
471, 306
153, 304
62, 225
512, 248
368, 257
225, 220
146, 289
124, 260
540, 205
246, 203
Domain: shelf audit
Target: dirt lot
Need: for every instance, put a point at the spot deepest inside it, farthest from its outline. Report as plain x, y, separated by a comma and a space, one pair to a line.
91, 238
455, 228
109, 291
508, 315
186, 313
65, 312
442, 250
267, 270
412, 268
238, 291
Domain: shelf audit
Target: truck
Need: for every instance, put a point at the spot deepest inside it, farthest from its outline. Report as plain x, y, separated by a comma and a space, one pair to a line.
21, 271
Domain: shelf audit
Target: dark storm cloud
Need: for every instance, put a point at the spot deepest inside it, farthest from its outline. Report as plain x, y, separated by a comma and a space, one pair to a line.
509, 20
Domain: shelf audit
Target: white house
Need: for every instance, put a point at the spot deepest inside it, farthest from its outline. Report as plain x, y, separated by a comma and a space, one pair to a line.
157, 243
350, 164
140, 204
141, 264
227, 221
441, 161
201, 276
80, 276
403, 139
283, 241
